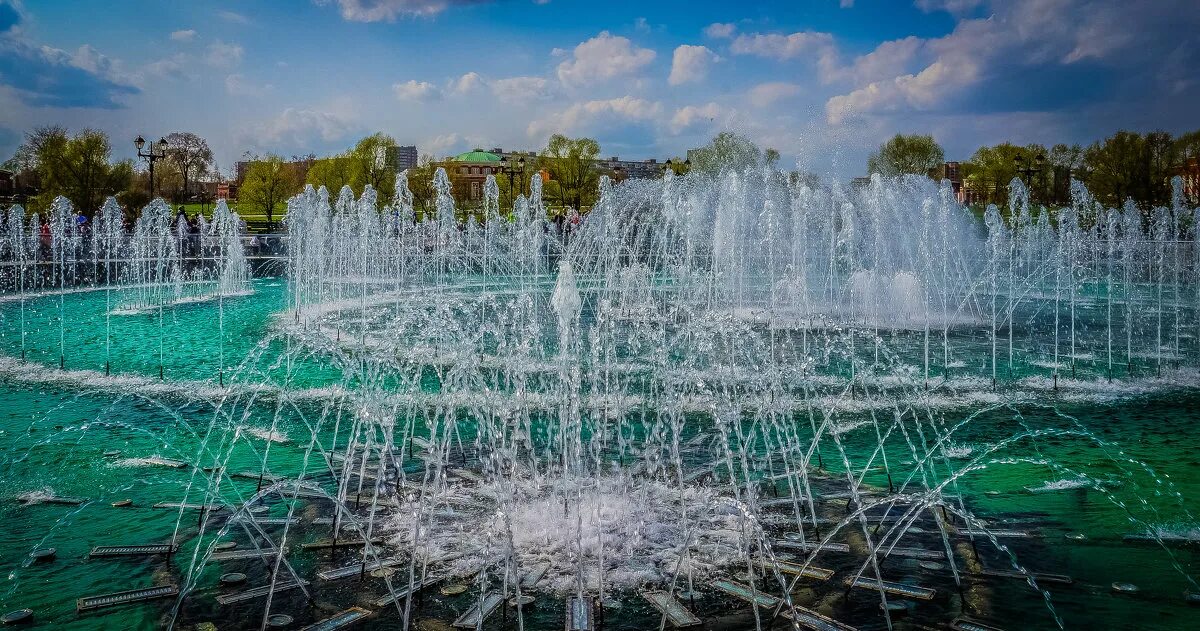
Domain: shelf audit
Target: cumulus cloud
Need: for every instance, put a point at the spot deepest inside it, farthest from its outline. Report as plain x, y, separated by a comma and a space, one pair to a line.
299, 128
233, 17
767, 94
1068, 47
413, 90
183, 36
591, 115
690, 64
521, 89
782, 47
389, 10
601, 58
443, 144
469, 82
223, 55
238, 85
720, 30
694, 115
954, 7
47, 76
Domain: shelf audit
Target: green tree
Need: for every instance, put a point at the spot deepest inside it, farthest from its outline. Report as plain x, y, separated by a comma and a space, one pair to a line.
191, 157
269, 182
420, 183
77, 167
907, 155
571, 164
369, 164
1063, 163
1188, 145
991, 169
728, 150
333, 173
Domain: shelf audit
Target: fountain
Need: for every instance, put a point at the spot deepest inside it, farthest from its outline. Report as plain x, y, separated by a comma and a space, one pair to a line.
732, 399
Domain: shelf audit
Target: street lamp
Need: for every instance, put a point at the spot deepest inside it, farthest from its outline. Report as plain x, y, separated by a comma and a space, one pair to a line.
151, 156
1027, 172
509, 169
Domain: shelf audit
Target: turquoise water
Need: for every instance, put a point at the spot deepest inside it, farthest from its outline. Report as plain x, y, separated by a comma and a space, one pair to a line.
56, 425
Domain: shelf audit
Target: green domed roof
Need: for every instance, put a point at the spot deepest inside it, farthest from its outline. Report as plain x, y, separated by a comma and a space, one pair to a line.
478, 155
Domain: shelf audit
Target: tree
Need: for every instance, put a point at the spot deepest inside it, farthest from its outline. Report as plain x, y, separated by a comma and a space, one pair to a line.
420, 183
269, 181
1129, 165
991, 169
369, 164
907, 155
571, 164
1188, 145
728, 150
190, 155
333, 173
76, 167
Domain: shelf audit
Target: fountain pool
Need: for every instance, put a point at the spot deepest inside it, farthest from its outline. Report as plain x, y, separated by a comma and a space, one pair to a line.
865, 405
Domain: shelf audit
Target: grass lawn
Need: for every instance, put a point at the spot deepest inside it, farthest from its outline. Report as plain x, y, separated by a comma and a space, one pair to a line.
252, 216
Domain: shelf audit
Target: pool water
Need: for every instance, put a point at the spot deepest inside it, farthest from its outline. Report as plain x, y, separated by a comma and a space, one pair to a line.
234, 383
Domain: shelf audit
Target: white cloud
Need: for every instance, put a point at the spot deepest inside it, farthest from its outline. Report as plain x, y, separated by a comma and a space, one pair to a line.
1002, 47
591, 115
693, 115
93, 61
767, 94
521, 89
954, 7
889, 59
176, 66
467, 83
442, 145
223, 55
183, 36
720, 30
237, 85
641, 25
295, 128
230, 16
920, 92
413, 90
846, 4
603, 57
782, 47
690, 64
389, 10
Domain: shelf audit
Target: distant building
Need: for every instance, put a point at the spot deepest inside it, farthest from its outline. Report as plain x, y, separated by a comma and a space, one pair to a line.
972, 193
625, 169
402, 158
17, 188
227, 190
1189, 172
952, 171
473, 167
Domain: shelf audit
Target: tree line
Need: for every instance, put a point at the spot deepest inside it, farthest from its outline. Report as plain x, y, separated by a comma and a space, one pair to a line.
51, 161
1125, 165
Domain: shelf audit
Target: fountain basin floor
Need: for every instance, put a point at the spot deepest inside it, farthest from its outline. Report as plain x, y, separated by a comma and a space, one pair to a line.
55, 427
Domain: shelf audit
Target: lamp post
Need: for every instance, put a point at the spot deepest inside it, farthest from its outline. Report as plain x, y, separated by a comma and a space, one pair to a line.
511, 170
151, 156
1027, 172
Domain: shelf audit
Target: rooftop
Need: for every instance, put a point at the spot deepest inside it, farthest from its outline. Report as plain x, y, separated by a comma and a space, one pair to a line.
478, 155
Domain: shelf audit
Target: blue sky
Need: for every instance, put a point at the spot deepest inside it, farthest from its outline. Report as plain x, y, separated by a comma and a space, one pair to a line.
823, 81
